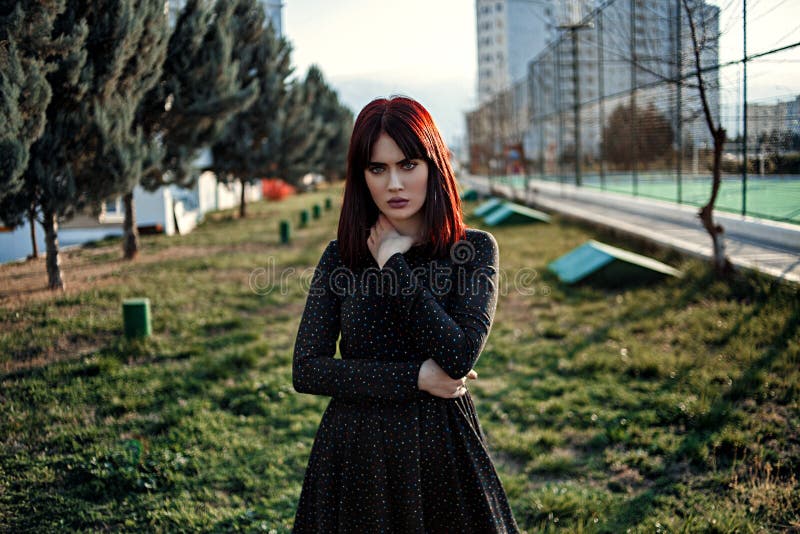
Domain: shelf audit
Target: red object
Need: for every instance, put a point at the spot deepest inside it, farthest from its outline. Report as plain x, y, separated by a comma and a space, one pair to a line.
275, 188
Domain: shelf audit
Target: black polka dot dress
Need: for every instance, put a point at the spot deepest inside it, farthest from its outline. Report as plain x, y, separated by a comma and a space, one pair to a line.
388, 457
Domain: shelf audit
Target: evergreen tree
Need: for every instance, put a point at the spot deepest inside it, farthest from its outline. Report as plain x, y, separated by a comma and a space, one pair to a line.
250, 145
198, 92
303, 130
315, 138
315, 130
97, 87
49, 177
27, 53
24, 91
124, 151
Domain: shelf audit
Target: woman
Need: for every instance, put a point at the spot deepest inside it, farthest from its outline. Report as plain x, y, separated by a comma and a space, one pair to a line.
413, 293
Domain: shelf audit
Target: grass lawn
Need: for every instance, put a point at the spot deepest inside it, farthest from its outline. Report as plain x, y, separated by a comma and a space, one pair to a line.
671, 407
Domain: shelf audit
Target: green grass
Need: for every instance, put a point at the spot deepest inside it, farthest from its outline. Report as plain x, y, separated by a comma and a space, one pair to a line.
671, 407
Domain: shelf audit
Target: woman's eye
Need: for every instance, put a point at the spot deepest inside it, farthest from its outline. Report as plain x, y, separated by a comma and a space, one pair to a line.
409, 165
375, 170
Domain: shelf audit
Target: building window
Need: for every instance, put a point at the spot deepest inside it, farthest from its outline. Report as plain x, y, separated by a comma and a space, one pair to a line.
112, 206
499, 6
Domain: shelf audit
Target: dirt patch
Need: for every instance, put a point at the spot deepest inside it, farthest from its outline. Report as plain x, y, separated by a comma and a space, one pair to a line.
25, 282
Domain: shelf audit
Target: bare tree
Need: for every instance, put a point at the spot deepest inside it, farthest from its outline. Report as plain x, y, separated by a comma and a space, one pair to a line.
722, 264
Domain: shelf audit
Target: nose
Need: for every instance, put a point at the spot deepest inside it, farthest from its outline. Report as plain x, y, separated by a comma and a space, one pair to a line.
394, 181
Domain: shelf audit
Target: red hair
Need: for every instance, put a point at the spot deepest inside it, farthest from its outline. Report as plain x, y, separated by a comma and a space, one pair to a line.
410, 125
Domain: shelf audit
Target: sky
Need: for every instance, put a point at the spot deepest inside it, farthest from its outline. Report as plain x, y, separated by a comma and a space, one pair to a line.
426, 49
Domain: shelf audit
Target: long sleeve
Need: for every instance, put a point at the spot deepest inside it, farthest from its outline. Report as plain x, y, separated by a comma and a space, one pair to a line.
314, 368
457, 338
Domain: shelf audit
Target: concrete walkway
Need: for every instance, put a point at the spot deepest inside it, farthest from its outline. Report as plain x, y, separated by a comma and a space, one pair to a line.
770, 247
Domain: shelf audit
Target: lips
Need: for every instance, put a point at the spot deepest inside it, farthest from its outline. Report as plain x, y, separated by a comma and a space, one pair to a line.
398, 202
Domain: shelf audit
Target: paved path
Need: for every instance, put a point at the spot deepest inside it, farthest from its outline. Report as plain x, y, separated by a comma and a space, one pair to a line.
766, 246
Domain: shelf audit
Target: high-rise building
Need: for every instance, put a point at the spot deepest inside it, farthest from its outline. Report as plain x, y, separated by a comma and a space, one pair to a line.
512, 32
274, 11
569, 65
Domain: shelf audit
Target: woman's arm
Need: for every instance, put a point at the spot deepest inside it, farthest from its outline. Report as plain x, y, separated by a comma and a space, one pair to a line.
457, 338
314, 368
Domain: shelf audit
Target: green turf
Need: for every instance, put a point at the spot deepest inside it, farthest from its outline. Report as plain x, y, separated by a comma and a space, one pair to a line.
775, 198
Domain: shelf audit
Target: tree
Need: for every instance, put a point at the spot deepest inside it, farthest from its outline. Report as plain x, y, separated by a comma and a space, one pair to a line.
648, 137
27, 55
316, 130
124, 151
25, 92
304, 131
197, 94
722, 264
49, 177
250, 145
68, 165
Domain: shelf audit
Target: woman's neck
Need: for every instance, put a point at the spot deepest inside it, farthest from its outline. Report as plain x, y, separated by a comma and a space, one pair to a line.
411, 227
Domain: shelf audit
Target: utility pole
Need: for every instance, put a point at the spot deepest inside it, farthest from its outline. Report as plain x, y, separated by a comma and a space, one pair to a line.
744, 106
576, 93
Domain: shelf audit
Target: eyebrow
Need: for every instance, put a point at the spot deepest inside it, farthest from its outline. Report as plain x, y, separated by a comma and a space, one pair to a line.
378, 163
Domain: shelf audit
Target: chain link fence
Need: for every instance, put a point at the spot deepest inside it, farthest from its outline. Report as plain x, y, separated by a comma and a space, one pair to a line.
614, 104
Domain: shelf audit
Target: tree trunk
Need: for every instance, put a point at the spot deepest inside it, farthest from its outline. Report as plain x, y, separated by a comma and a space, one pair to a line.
242, 202
722, 265
130, 240
53, 261
32, 222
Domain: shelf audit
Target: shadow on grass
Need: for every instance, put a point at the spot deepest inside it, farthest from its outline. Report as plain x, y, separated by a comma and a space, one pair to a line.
691, 452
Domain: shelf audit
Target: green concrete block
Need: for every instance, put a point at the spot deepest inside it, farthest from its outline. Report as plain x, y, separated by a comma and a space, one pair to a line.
136, 317
602, 264
487, 207
469, 194
286, 231
511, 213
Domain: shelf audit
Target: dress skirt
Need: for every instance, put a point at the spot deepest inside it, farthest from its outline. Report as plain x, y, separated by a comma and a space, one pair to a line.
404, 467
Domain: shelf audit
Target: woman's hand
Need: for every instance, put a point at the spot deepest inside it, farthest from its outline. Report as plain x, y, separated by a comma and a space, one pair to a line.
384, 240
435, 381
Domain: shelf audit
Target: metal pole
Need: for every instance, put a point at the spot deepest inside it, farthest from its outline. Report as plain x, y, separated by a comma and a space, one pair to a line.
678, 98
540, 99
634, 129
744, 106
559, 111
576, 105
601, 95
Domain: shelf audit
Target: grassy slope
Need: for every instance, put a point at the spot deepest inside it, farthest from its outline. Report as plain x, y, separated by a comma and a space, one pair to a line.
670, 407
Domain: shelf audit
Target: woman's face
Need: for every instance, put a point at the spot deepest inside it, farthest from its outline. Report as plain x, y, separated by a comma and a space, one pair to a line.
390, 175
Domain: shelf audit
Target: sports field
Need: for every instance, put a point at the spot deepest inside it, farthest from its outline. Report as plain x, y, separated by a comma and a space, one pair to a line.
775, 197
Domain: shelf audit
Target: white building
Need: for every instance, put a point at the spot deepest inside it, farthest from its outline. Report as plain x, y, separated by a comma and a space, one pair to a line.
780, 118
